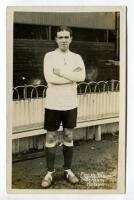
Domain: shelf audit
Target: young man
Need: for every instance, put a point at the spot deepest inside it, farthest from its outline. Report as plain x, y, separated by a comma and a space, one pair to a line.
62, 69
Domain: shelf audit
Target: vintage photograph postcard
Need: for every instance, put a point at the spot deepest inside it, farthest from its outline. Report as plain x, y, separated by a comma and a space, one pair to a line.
66, 99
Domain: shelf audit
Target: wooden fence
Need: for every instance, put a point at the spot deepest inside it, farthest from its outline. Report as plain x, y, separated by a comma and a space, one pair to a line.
98, 110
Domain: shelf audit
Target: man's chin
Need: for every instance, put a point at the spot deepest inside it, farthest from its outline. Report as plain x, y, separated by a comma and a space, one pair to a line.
63, 49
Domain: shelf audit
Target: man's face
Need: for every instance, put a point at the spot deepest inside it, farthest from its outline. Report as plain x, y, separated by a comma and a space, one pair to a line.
63, 40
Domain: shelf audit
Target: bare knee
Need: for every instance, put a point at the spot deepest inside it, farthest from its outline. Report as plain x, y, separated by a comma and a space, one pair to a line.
68, 137
51, 139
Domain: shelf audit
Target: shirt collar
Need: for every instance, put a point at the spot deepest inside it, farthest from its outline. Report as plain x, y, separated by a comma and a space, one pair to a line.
62, 52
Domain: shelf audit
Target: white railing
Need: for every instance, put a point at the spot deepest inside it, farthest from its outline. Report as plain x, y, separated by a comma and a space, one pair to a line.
95, 101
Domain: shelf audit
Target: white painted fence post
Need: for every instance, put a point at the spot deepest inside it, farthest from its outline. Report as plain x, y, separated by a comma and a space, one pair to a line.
98, 133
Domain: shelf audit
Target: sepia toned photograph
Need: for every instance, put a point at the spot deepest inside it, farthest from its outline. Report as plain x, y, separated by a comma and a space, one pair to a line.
66, 89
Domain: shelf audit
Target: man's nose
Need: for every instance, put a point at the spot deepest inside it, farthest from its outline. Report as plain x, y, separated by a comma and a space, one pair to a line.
63, 39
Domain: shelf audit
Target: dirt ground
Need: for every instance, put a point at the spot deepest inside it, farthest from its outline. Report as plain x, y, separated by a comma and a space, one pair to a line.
95, 163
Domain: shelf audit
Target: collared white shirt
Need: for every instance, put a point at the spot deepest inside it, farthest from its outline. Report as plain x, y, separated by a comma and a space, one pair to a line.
61, 93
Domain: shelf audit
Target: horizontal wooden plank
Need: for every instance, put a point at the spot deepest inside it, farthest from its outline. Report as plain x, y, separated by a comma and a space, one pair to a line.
37, 126
28, 156
79, 125
98, 20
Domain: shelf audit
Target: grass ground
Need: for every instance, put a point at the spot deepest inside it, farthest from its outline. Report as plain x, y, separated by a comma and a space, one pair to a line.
95, 163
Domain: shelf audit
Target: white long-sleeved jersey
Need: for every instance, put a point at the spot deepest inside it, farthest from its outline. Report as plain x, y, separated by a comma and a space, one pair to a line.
61, 93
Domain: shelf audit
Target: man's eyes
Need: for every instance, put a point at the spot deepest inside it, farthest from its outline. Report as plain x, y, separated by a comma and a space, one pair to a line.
66, 37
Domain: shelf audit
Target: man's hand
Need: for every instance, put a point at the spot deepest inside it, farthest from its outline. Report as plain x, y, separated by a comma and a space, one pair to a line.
56, 71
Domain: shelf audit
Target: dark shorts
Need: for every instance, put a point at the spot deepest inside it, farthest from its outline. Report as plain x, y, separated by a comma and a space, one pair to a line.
53, 119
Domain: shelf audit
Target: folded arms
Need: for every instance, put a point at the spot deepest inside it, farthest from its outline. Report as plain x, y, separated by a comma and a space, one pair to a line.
57, 75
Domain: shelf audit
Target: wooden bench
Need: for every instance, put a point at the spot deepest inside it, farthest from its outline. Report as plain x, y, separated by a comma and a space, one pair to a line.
37, 129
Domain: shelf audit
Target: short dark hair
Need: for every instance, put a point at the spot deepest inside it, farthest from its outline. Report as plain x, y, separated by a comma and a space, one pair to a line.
63, 28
